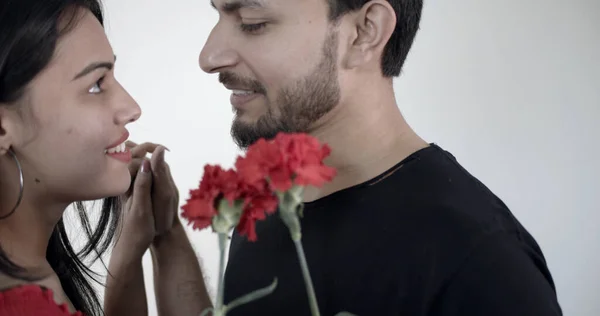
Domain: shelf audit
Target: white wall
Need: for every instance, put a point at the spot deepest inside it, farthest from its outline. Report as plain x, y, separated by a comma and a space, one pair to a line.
510, 87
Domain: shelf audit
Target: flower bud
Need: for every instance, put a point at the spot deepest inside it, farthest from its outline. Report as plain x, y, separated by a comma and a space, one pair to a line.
228, 216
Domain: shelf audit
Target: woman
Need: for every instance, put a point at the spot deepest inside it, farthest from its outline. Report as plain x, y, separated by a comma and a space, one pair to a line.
63, 135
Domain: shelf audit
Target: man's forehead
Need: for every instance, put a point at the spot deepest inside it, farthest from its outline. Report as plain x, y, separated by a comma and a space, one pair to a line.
234, 5
287, 7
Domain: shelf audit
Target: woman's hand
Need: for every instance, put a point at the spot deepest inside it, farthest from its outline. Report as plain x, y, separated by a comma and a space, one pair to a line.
152, 201
178, 281
165, 196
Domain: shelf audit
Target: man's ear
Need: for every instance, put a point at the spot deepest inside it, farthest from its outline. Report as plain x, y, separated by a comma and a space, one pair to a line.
374, 25
7, 129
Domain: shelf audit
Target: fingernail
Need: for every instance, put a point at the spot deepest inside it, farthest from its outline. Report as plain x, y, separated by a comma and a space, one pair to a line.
161, 154
145, 166
163, 146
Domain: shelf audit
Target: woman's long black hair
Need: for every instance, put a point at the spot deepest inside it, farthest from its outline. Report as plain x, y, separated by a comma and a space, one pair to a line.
29, 31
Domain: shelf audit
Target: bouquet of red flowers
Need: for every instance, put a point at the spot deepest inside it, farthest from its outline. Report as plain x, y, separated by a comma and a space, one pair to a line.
270, 178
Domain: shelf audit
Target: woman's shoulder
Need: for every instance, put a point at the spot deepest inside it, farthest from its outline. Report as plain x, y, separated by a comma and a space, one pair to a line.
31, 299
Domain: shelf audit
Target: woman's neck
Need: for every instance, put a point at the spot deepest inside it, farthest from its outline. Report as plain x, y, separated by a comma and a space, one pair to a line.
24, 235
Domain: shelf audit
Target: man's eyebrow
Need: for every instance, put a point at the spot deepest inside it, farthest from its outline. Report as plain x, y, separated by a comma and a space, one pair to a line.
95, 65
235, 5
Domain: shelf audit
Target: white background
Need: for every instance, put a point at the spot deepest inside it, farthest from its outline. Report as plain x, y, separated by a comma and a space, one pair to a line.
510, 87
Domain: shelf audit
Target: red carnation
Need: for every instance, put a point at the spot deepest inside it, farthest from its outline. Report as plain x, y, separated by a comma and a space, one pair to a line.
265, 160
305, 157
216, 183
288, 159
258, 202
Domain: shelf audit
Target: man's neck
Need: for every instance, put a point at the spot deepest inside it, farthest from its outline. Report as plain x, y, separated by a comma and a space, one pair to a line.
367, 136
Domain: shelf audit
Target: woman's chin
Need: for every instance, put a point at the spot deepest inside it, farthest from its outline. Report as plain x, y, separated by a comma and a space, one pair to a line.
117, 187
103, 188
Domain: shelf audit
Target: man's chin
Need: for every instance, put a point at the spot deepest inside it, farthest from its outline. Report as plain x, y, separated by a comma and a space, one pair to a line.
247, 117
245, 135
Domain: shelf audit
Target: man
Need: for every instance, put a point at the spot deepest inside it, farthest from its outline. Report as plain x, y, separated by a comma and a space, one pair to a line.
403, 229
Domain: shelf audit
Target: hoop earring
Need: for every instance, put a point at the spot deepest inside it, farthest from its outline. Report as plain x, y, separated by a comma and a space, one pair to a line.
21, 184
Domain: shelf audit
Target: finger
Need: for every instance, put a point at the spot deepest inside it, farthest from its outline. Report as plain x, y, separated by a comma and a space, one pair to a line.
158, 158
134, 166
124, 211
141, 198
130, 144
140, 151
168, 175
127, 205
164, 191
161, 171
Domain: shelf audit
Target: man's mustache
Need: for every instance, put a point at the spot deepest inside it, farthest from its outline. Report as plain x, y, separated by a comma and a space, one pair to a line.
231, 79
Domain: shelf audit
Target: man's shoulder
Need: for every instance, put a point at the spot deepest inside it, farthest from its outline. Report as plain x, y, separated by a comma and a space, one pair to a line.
442, 213
434, 190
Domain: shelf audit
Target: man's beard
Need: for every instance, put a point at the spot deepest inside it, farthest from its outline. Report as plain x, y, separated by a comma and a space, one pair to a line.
299, 105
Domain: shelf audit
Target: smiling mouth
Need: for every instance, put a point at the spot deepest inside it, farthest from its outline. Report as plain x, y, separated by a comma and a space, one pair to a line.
242, 92
121, 148
120, 152
240, 98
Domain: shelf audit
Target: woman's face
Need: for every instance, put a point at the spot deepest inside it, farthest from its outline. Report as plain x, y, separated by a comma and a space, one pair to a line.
73, 118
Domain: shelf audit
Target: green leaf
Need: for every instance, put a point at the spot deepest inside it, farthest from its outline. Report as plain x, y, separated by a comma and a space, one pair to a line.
252, 296
206, 311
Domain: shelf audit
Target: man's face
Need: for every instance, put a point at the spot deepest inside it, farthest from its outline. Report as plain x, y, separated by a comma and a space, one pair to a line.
279, 58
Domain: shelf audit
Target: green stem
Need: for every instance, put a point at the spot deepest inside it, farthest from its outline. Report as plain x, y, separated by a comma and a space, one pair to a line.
221, 286
206, 311
312, 298
250, 297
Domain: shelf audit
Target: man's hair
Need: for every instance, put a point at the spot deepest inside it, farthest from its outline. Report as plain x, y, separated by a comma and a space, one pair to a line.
408, 17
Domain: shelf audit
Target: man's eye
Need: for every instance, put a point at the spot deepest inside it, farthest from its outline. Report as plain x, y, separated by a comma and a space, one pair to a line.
253, 28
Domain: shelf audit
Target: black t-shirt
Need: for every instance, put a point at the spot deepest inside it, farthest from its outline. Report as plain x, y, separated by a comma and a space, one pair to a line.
424, 238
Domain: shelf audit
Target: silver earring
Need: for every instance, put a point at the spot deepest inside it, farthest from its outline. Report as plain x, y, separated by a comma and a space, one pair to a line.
21, 184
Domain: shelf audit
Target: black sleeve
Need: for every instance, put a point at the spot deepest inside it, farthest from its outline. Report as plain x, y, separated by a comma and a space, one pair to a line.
502, 277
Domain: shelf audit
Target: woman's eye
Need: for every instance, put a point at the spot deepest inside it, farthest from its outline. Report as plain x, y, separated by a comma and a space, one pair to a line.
95, 89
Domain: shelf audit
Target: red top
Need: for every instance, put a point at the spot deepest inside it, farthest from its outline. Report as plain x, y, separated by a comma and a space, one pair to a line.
31, 300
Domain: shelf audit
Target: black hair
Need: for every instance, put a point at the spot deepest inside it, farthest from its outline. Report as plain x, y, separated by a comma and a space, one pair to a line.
29, 31
408, 17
